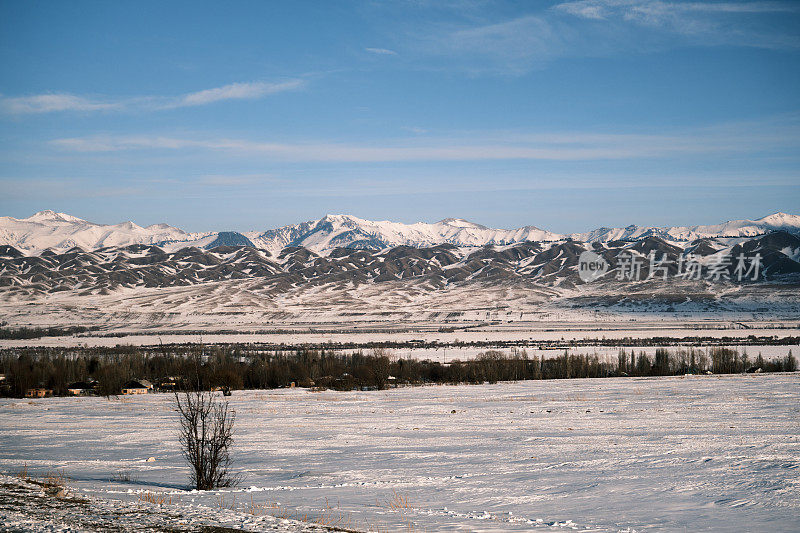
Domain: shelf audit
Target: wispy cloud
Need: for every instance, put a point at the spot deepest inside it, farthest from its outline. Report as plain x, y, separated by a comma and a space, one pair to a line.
658, 11
512, 46
732, 23
593, 28
728, 138
235, 91
48, 103
381, 51
226, 180
61, 102
60, 188
416, 130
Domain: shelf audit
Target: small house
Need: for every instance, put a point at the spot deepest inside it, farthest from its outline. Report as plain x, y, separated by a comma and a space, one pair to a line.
38, 392
81, 388
169, 384
137, 386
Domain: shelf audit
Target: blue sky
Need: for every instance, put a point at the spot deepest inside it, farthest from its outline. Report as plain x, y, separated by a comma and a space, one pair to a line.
251, 115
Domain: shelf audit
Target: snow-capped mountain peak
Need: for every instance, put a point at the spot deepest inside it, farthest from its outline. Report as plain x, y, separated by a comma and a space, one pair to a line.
162, 226
460, 223
51, 216
780, 220
60, 231
347, 231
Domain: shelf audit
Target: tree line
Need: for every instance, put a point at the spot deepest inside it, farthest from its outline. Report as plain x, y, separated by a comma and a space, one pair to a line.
24, 333
235, 367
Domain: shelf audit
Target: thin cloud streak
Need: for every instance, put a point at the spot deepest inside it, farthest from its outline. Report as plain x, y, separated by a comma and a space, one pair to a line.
224, 180
381, 51
52, 188
729, 138
604, 28
235, 91
655, 10
61, 102
49, 103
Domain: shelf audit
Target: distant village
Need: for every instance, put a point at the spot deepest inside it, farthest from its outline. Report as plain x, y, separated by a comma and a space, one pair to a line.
89, 388
131, 387
127, 370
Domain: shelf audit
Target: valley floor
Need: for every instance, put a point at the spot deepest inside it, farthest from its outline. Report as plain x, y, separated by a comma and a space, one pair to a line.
694, 453
639, 327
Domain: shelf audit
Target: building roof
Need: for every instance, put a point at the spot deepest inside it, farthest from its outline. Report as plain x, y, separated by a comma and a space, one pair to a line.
81, 385
138, 384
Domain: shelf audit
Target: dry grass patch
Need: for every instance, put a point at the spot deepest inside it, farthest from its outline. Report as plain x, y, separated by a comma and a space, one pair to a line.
157, 498
398, 502
223, 504
23, 474
55, 480
124, 476
260, 509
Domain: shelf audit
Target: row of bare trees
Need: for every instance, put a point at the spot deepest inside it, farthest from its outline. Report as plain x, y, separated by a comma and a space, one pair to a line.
717, 360
235, 368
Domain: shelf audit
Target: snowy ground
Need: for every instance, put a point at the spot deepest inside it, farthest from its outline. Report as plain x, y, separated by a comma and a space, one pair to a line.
529, 334
688, 453
29, 505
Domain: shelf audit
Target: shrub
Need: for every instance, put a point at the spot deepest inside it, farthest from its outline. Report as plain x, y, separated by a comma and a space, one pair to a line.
206, 435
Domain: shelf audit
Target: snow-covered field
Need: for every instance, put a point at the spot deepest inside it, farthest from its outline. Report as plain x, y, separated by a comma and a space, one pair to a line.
31, 505
688, 453
537, 334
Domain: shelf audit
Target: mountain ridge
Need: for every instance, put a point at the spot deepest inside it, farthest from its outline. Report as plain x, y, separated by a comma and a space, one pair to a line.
60, 232
240, 284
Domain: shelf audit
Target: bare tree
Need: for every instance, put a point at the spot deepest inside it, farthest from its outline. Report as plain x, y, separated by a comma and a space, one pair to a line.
206, 435
379, 367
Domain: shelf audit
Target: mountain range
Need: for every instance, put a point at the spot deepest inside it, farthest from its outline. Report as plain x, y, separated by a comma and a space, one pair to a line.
61, 232
56, 269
